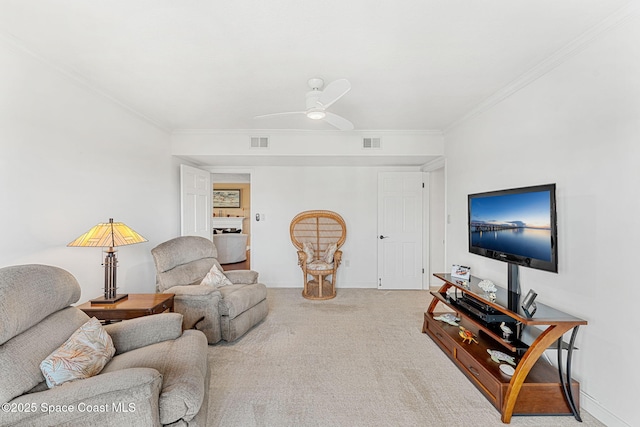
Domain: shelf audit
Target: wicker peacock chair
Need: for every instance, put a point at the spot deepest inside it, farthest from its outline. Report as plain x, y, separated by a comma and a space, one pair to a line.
318, 236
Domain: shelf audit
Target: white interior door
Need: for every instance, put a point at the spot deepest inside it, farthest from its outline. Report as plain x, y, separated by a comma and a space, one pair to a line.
195, 202
400, 225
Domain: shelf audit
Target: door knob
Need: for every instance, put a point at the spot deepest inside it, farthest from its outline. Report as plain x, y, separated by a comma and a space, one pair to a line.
383, 237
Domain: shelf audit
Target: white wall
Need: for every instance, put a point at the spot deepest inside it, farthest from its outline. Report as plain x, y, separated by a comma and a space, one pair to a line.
70, 158
282, 192
577, 126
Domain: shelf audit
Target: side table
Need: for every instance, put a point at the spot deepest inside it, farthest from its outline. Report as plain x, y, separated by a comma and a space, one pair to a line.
135, 305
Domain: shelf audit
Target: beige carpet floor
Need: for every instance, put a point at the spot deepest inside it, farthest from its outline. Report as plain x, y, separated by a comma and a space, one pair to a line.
357, 360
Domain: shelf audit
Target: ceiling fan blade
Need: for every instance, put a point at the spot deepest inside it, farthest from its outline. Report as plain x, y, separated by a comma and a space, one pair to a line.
334, 91
338, 121
279, 114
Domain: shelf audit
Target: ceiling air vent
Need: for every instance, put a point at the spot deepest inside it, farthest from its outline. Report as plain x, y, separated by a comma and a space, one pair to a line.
259, 142
369, 143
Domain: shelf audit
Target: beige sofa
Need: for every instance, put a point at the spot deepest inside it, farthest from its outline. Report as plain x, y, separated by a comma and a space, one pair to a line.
227, 312
158, 376
231, 247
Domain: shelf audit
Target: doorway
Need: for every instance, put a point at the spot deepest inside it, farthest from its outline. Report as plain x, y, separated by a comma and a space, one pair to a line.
400, 230
232, 214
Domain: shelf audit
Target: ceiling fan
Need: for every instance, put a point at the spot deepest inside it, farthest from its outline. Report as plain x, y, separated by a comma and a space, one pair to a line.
319, 100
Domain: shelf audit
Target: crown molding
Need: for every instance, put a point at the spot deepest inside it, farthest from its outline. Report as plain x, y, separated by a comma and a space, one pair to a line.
434, 165
270, 132
563, 54
15, 45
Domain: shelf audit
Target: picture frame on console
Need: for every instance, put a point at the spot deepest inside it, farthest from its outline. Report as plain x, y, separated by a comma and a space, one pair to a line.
528, 303
460, 272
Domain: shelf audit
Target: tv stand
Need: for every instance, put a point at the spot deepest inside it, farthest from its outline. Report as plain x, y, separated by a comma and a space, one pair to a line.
536, 387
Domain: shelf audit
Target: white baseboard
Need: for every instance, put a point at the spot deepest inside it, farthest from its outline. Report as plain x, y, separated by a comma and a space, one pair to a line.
603, 415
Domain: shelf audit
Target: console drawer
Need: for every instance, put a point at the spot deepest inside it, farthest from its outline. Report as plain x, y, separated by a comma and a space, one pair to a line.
484, 380
438, 334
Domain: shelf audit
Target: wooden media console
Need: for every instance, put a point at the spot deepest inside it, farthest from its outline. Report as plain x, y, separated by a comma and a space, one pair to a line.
536, 387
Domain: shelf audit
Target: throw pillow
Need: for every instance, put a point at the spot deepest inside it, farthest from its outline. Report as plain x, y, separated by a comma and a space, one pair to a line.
216, 278
308, 249
328, 254
83, 355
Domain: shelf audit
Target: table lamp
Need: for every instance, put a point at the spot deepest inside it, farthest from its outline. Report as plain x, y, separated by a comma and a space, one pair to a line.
109, 235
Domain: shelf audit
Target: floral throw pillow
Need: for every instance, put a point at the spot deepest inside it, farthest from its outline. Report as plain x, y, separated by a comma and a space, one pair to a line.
328, 254
308, 249
216, 278
83, 355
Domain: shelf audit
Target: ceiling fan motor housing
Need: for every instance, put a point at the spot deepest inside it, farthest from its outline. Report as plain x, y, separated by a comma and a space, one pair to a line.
315, 83
312, 99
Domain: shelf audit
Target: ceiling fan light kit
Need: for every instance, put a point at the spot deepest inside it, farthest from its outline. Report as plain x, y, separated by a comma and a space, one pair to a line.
316, 114
318, 100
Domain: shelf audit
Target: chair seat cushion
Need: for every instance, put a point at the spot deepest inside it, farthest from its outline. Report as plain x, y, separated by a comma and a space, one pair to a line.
236, 299
183, 365
319, 266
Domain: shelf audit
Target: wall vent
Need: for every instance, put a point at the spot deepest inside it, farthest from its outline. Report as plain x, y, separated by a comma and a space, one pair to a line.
259, 142
370, 143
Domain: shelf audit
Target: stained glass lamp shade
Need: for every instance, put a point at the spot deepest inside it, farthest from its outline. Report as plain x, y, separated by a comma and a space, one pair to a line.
109, 235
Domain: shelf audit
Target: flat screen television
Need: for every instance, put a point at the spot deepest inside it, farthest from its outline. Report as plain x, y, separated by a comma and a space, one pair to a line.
518, 226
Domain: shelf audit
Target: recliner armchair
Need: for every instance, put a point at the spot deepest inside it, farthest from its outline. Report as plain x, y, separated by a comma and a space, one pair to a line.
159, 374
226, 312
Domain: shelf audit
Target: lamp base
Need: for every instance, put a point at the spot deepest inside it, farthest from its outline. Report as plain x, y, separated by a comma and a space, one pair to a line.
103, 300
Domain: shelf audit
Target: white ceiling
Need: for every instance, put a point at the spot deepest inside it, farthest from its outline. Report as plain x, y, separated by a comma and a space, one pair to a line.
206, 64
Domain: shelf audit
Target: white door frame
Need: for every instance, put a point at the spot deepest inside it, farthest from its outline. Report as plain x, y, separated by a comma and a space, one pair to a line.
438, 164
401, 238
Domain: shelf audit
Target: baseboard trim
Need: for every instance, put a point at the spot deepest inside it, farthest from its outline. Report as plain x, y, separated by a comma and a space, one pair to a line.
593, 407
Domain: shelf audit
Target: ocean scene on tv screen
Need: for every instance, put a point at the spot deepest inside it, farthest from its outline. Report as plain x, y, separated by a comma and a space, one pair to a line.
518, 224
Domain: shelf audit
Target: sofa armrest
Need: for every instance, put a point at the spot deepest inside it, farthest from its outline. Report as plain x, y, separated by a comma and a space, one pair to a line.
242, 277
126, 397
143, 331
192, 291
199, 306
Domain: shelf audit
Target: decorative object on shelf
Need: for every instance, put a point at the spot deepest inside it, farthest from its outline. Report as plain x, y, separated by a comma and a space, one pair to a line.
448, 318
109, 235
498, 356
528, 304
467, 335
506, 332
461, 272
462, 283
507, 369
226, 199
487, 286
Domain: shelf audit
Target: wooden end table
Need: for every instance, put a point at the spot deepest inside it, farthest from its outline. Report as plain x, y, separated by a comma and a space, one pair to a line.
135, 305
